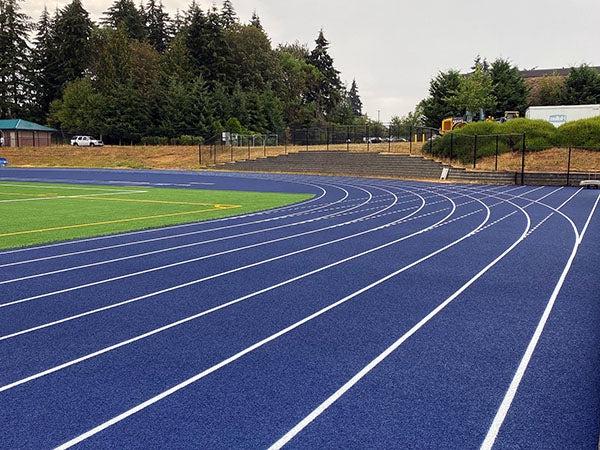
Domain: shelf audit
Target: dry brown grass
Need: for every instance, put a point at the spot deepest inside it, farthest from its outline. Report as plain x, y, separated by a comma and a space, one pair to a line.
551, 160
166, 157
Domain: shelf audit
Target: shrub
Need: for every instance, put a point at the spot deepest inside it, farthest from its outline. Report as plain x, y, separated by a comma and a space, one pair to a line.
540, 134
580, 133
186, 139
154, 140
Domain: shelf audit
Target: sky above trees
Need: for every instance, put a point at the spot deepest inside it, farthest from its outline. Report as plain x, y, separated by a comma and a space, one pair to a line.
394, 48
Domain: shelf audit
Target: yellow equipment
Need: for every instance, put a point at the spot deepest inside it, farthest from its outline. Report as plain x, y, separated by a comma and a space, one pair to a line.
452, 123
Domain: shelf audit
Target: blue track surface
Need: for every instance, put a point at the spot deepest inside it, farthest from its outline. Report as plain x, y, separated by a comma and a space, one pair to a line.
378, 314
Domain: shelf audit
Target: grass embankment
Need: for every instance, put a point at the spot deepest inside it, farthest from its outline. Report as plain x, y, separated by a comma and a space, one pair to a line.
551, 160
36, 213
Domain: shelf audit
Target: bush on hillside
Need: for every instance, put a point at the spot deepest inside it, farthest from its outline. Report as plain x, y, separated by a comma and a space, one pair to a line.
580, 133
539, 135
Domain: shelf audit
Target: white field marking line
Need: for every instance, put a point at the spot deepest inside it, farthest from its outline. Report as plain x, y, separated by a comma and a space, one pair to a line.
61, 197
200, 223
200, 258
59, 186
307, 420
120, 277
250, 349
209, 311
502, 412
174, 236
193, 244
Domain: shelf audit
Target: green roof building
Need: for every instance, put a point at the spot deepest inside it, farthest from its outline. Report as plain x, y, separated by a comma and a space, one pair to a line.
22, 133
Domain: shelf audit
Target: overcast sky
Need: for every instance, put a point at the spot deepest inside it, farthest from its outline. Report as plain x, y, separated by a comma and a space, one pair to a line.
394, 47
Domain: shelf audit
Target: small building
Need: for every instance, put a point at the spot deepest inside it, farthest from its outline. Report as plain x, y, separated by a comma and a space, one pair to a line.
22, 133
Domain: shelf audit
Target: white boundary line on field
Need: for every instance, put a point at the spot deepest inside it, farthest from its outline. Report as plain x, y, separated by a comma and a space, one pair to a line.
197, 223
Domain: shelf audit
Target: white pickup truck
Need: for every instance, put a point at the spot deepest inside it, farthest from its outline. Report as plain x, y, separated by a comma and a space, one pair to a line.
86, 141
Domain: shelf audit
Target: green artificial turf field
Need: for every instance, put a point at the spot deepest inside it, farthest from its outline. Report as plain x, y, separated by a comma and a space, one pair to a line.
37, 213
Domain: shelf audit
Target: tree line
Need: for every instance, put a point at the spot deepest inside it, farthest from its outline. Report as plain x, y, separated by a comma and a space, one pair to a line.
140, 72
493, 88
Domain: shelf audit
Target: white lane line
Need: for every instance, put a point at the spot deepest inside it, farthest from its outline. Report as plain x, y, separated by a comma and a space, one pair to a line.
30, 378
250, 349
506, 403
196, 244
201, 223
320, 409
170, 289
195, 233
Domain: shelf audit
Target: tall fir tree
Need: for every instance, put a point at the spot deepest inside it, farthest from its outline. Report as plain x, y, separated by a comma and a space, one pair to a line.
124, 14
158, 26
582, 86
328, 91
354, 99
73, 48
43, 67
15, 56
510, 89
228, 14
255, 21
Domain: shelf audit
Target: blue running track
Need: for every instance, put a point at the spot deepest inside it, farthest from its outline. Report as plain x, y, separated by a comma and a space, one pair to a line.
378, 314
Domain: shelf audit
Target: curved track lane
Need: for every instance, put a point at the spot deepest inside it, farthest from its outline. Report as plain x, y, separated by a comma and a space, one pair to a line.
378, 313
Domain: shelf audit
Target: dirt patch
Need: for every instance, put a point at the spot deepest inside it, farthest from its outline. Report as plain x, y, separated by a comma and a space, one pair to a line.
551, 160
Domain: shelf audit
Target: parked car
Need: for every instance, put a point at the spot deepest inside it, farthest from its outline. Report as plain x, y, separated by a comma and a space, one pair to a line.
1, 141
3, 162
373, 140
86, 141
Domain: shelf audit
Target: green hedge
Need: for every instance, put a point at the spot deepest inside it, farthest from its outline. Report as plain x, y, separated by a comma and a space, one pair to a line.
539, 135
181, 140
580, 133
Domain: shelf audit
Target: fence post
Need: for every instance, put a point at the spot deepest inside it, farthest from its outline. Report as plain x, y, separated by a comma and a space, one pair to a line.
431, 142
497, 145
200, 155
231, 151
390, 138
347, 138
523, 161
410, 141
327, 137
248, 149
451, 145
285, 143
215, 156
475, 152
306, 139
367, 132
569, 168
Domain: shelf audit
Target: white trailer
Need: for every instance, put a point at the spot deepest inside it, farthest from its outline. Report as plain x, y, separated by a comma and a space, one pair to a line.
557, 115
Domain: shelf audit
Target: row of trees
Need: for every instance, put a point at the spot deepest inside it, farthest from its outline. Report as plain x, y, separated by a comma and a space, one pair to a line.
140, 72
498, 87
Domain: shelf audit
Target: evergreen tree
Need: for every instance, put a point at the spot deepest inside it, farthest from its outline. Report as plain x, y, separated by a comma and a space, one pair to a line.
157, 25
582, 86
354, 99
509, 87
228, 14
437, 106
43, 67
123, 13
207, 46
14, 59
255, 21
327, 94
72, 40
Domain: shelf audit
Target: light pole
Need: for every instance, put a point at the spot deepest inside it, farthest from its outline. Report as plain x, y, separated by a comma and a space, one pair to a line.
378, 115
